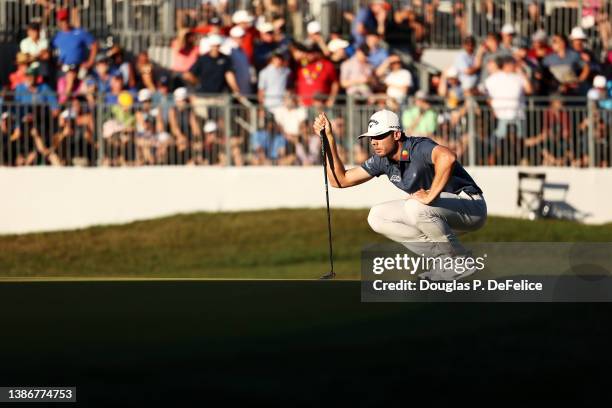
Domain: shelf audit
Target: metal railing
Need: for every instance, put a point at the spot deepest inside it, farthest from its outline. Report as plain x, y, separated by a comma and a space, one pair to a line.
217, 130
133, 17
443, 23
435, 24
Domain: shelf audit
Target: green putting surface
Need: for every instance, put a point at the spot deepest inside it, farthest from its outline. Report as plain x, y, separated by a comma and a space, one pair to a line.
133, 342
313, 343
280, 244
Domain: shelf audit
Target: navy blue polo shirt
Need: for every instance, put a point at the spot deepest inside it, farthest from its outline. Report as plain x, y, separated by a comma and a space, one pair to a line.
415, 170
210, 72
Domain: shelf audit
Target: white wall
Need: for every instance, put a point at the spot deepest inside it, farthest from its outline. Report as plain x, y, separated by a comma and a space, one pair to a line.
44, 199
439, 58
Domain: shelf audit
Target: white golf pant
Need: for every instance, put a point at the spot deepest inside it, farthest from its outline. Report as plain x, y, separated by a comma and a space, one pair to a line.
438, 224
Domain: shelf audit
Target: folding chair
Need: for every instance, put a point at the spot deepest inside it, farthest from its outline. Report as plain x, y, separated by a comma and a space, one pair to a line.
530, 197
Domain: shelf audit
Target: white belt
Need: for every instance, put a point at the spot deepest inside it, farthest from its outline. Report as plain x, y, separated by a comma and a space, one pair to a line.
465, 195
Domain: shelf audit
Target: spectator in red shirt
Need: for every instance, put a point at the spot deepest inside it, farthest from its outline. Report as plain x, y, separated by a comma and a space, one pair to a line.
316, 75
212, 26
539, 46
184, 52
19, 76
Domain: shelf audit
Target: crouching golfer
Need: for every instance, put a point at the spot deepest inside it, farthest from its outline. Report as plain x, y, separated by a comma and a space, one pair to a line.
443, 201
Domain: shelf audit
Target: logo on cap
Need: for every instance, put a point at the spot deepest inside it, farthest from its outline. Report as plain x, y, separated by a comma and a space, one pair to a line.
372, 123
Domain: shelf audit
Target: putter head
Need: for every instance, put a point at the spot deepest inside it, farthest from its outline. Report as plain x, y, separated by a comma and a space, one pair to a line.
328, 276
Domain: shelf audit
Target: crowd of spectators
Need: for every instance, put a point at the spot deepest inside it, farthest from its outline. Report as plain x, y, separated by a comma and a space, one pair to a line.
77, 100
519, 77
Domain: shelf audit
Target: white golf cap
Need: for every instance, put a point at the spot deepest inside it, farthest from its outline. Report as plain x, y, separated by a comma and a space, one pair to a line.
204, 46
228, 46
313, 27
577, 34
539, 35
210, 126
265, 27
242, 16
452, 72
337, 44
594, 95
237, 32
163, 136
587, 22
420, 94
599, 81
382, 122
144, 95
508, 29
180, 94
214, 40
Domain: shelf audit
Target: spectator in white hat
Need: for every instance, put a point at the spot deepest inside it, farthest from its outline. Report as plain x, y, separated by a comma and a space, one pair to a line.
397, 79
339, 52
148, 126
601, 92
578, 40
507, 39
240, 61
243, 19
212, 147
145, 95
183, 127
578, 34
210, 126
180, 94
313, 29
211, 74
265, 45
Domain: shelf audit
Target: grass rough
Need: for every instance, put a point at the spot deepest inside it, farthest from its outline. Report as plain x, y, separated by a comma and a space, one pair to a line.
285, 244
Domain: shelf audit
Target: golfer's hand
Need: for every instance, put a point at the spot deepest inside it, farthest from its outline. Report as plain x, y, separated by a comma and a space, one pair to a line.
321, 122
421, 196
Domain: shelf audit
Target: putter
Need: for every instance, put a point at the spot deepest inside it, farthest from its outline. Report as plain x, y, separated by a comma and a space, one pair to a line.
331, 274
